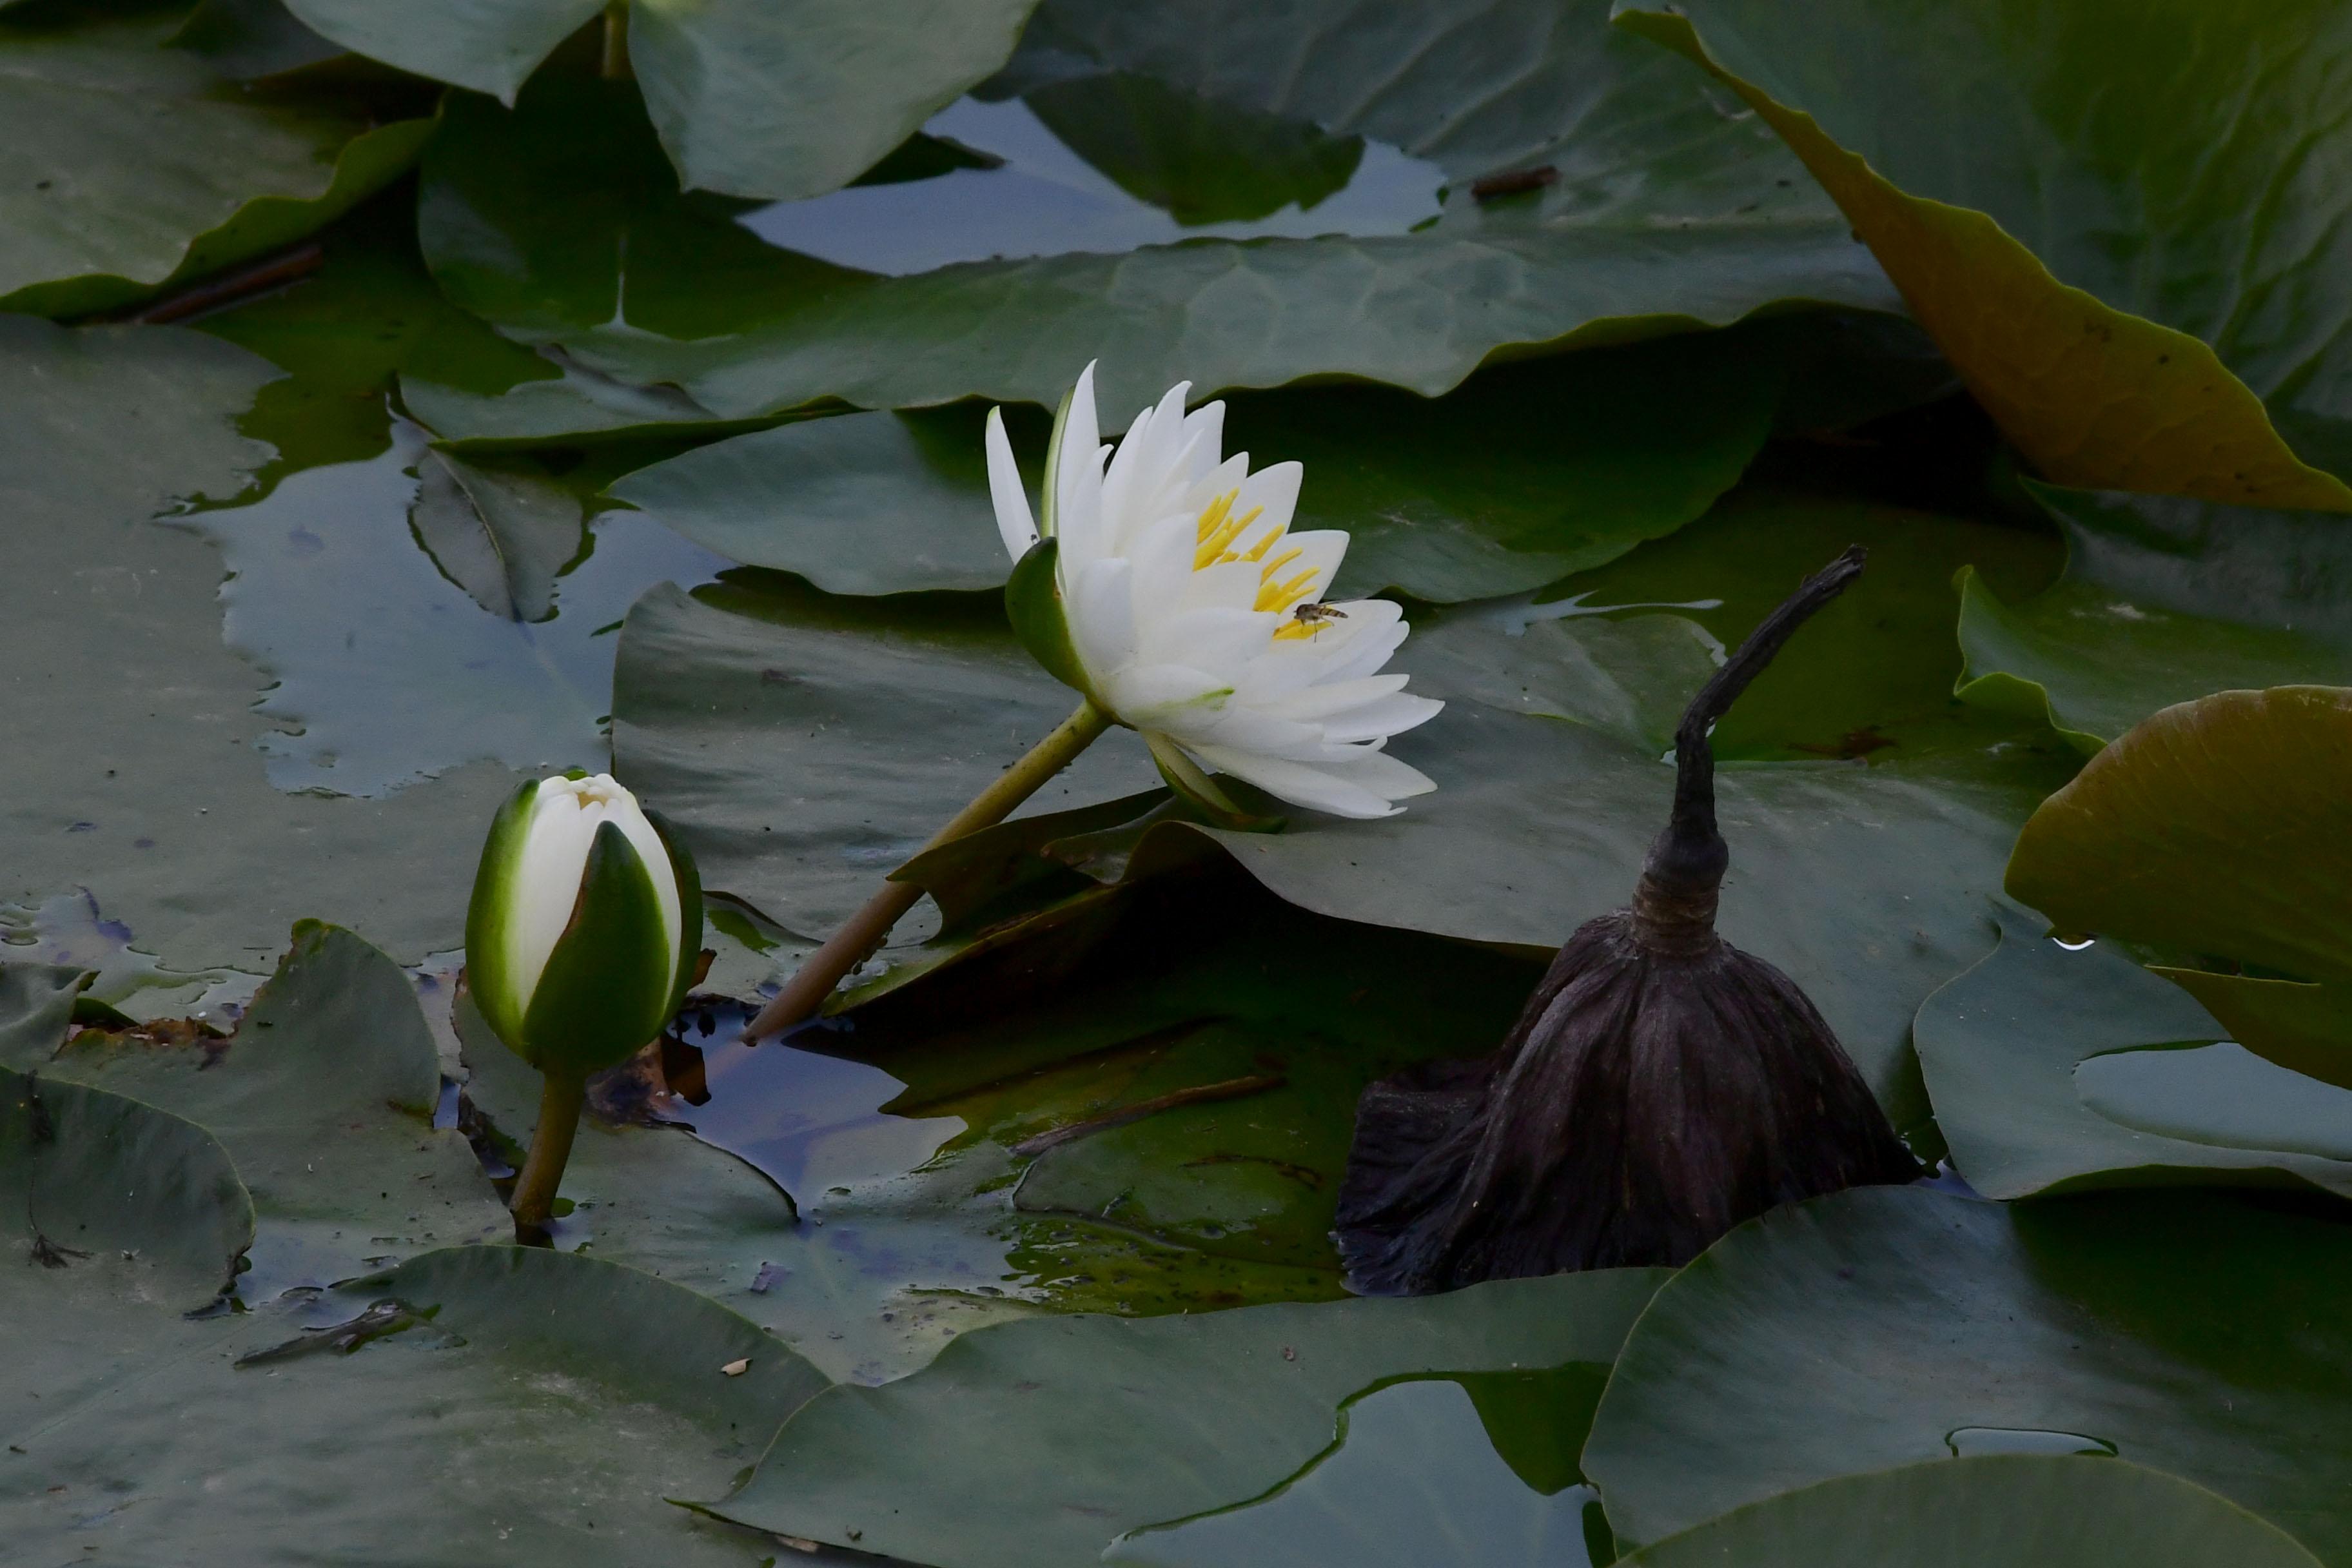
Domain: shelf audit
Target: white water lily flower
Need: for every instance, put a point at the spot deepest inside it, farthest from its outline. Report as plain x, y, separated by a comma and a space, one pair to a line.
584, 927
1182, 604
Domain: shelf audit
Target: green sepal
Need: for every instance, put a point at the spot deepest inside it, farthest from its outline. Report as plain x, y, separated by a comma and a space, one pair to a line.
606, 988
1046, 498
688, 878
489, 976
1202, 795
1033, 603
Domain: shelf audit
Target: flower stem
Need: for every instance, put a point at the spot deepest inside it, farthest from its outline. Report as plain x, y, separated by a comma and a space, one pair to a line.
616, 64
864, 932
560, 1098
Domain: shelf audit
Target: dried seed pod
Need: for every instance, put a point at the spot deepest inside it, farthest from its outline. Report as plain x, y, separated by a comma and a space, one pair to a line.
1659, 1086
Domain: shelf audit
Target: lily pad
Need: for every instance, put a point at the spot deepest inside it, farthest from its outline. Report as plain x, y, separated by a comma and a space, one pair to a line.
1123, 1424
136, 169
507, 1404
777, 100
2209, 829
2030, 1511
2077, 225
1885, 1326
1518, 478
1415, 1482
2054, 1071
2164, 599
324, 1096
526, 213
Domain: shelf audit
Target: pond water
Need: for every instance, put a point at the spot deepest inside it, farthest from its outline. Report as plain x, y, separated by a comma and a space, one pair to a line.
1045, 198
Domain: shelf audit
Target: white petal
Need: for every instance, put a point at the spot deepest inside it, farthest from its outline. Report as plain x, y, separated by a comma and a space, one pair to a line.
1164, 696
564, 817
1378, 719
1013, 519
1321, 550
1203, 446
1220, 639
1078, 482
1300, 784
1273, 493
1099, 604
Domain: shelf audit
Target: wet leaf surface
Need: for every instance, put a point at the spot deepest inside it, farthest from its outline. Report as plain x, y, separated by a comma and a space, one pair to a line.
325, 1099
2018, 1509
2054, 1071
1124, 1424
2192, 1335
1412, 1479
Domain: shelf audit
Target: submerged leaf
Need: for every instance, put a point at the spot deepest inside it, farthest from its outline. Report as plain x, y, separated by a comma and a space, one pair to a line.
502, 534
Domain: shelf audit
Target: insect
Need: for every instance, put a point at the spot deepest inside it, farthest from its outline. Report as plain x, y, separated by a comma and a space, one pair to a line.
1308, 614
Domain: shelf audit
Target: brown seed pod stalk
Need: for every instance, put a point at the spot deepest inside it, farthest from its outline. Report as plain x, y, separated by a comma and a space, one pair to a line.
1659, 1086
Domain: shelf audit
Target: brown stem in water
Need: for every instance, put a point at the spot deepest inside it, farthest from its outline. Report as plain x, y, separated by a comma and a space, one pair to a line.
864, 932
1673, 905
234, 286
561, 1097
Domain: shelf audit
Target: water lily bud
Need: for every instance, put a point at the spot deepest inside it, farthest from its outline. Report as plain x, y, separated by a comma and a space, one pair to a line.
584, 927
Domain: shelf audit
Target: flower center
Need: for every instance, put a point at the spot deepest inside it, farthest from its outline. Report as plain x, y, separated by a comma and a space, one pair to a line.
1215, 538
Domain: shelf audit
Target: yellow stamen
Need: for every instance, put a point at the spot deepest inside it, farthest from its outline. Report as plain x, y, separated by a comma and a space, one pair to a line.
1218, 529
1258, 551
1298, 630
1282, 595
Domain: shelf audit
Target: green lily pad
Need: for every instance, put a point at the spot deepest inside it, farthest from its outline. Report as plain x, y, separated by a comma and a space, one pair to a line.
1884, 1326
252, 40
2210, 829
159, 809
1040, 1442
324, 1098
2078, 225
2164, 599
525, 215
2054, 1071
137, 169
2034, 1511
502, 1404
777, 100
1414, 1480
1519, 477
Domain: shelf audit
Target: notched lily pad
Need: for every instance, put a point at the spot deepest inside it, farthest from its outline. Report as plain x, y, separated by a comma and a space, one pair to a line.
2054, 1071
2164, 599
1879, 1327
